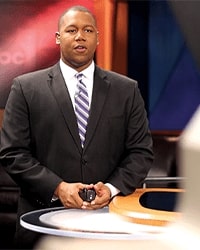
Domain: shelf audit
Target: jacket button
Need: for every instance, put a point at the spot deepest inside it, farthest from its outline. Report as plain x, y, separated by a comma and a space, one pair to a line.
84, 162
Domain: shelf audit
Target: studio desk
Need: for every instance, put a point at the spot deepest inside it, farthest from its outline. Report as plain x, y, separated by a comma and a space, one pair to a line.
138, 215
164, 167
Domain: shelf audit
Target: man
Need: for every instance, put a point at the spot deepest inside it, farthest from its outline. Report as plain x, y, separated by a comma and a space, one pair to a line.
40, 144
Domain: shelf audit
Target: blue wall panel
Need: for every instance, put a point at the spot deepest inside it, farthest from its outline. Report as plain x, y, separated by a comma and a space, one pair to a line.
169, 78
174, 81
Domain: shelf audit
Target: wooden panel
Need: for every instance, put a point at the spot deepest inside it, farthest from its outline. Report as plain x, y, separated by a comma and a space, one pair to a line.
112, 23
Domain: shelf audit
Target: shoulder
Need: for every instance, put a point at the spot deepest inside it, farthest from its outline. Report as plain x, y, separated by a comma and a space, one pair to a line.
38, 75
114, 77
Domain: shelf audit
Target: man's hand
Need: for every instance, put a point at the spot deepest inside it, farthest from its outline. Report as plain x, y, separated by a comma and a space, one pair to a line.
68, 194
102, 198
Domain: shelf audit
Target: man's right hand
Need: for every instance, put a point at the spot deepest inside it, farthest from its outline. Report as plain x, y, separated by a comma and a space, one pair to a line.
68, 194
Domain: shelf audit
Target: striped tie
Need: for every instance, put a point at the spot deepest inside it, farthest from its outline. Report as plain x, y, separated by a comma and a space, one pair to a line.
81, 107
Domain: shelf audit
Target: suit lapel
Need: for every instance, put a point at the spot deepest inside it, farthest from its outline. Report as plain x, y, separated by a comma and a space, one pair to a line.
100, 90
61, 94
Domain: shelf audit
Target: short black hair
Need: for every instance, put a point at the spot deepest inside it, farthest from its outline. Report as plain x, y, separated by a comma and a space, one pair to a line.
76, 8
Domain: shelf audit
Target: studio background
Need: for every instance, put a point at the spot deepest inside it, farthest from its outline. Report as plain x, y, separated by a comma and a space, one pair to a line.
141, 39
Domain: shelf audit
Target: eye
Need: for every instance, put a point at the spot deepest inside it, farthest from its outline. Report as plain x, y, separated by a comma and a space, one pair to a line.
88, 30
72, 31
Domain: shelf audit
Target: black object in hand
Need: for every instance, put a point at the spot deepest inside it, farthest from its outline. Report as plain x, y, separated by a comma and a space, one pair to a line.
87, 194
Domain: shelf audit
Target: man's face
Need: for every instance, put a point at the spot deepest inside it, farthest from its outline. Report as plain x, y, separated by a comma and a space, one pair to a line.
78, 38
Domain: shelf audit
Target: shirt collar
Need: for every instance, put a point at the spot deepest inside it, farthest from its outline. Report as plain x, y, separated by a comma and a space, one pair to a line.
89, 71
69, 72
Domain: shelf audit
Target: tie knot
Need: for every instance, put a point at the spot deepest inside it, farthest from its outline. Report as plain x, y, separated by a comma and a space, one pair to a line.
79, 76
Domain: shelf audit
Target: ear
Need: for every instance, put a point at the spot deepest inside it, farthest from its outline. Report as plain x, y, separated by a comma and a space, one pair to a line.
97, 37
57, 35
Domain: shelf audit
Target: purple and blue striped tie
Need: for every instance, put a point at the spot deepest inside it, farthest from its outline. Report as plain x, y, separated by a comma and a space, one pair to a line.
81, 107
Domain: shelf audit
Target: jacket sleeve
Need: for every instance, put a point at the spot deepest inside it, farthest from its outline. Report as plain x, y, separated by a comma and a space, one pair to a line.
138, 153
16, 153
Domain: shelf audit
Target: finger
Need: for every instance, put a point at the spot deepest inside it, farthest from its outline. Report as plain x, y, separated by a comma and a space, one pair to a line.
89, 186
86, 205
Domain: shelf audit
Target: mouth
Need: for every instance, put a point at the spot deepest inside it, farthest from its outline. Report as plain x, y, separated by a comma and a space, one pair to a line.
80, 48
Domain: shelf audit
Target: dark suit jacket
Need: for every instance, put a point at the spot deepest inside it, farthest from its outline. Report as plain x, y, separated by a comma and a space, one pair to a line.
40, 145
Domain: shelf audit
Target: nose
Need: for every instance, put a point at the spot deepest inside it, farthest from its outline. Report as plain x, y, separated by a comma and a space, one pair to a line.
79, 36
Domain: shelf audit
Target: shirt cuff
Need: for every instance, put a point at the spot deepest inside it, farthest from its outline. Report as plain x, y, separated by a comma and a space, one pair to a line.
114, 191
54, 198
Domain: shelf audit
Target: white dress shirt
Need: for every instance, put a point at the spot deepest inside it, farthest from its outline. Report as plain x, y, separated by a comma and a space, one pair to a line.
71, 80
71, 83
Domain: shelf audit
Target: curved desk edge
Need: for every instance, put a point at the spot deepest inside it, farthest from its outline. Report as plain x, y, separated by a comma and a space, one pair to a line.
130, 209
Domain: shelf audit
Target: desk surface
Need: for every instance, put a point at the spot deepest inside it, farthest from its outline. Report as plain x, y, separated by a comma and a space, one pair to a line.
96, 224
149, 206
